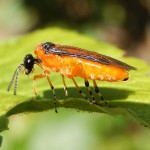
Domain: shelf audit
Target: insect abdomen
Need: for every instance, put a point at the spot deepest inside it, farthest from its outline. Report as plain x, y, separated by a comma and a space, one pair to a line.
98, 71
93, 70
108, 73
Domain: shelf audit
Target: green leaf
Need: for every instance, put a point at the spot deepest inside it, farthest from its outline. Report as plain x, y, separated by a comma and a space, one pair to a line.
130, 98
1, 140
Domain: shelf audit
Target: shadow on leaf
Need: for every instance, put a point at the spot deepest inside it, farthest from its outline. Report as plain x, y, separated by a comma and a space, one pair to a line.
137, 111
108, 93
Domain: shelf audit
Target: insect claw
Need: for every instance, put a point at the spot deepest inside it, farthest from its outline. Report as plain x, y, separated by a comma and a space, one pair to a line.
56, 111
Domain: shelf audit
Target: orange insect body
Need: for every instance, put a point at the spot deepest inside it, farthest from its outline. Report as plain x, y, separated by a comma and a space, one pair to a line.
72, 62
84, 68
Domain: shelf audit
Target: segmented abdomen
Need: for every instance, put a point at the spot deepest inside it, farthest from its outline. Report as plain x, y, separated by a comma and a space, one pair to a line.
92, 70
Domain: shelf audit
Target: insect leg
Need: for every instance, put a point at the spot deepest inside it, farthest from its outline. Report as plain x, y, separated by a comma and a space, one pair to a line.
79, 90
34, 82
52, 87
54, 94
89, 89
98, 92
65, 87
79, 68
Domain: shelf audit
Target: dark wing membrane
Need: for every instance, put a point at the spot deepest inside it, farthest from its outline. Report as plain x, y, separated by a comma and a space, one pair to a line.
93, 56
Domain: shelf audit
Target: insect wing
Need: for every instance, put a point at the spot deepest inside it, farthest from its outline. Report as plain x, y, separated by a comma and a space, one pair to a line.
85, 54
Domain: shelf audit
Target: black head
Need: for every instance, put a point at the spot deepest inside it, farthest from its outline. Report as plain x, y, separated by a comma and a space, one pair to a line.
47, 46
28, 63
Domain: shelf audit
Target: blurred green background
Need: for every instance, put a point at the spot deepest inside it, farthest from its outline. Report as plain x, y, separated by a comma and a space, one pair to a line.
124, 23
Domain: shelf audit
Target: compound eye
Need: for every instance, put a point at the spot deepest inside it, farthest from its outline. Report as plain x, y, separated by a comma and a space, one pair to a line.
28, 63
47, 46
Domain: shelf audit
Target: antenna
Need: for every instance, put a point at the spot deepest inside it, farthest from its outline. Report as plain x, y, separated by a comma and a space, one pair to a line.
15, 77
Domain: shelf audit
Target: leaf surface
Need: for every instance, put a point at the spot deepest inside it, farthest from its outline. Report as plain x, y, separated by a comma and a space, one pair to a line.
131, 98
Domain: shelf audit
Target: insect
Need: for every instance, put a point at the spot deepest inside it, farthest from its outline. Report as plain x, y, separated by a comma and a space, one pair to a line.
70, 62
